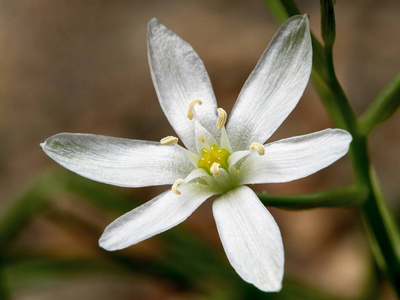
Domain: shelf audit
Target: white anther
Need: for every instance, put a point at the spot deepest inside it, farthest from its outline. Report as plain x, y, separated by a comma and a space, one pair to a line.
215, 169
191, 107
174, 187
169, 140
222, 116
260, 148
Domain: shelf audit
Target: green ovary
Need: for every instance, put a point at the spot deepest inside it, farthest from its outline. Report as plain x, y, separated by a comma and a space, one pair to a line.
215, 154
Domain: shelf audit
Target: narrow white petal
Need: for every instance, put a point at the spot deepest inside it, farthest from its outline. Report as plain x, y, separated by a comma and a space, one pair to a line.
235, 157
225, 143
155, 216
274, 87
296, 157
118, 161
179, 77
197, 173
251, 238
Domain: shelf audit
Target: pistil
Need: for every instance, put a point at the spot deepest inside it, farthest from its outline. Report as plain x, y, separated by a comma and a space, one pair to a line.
214, 155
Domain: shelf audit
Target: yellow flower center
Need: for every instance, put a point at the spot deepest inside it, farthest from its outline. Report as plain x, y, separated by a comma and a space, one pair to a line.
213, 155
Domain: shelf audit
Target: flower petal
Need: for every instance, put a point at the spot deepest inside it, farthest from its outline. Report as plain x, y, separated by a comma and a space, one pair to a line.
197, 173
117, 161
157, 215
296, 157
251, 238
179, 77
235, 157
274, 87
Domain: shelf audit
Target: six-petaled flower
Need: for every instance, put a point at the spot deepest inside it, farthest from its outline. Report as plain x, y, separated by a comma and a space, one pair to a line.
218, 160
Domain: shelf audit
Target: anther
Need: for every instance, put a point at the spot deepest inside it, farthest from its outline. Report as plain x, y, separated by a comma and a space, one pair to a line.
201, 139
260, 148
215, 169
222, 116
174, 187
191, 107
169, 140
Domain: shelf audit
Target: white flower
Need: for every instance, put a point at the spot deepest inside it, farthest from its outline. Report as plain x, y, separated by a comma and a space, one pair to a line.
217, 161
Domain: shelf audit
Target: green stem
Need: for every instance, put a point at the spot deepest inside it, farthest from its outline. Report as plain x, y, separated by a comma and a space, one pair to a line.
383, 232
328, 27
332, 94
278, 10
4, 292
382, 108
343, 197
339, 108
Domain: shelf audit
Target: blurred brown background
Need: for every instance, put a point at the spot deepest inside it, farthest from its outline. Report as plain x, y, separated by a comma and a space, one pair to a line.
81, 66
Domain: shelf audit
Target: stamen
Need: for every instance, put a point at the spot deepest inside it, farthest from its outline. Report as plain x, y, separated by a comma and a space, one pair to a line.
215, 169
203, 141
169, 140
194, 159
174, 187
260, 148
190, 111
222, 116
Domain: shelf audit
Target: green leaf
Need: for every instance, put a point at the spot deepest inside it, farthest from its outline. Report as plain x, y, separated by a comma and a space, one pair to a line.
20, 210
34, 272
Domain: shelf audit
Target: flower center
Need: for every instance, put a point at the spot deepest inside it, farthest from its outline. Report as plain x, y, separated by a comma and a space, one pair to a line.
213, 155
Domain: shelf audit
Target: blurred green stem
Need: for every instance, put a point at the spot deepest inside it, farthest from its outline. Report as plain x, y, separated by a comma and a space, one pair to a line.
376, 214
4, 294
382, 108
343, 197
